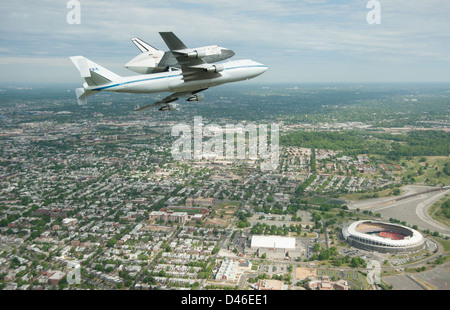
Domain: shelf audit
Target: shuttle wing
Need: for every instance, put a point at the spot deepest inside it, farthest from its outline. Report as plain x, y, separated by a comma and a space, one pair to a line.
192, 65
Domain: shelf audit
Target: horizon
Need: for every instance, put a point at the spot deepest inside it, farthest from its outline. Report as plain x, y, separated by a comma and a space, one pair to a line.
244, 84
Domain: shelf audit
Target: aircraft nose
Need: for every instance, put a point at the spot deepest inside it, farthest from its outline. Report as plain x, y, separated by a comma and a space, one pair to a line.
261, 68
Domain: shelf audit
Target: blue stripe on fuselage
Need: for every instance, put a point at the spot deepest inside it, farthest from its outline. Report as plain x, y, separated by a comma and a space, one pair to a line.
168, 76
134, 81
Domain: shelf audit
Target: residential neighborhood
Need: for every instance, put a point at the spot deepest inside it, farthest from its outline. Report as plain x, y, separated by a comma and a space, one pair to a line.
100, 203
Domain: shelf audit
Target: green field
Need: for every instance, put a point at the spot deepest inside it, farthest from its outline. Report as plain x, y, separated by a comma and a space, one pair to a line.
319, 200
390, 167
187, 210
436, 211
428, 170
361, 196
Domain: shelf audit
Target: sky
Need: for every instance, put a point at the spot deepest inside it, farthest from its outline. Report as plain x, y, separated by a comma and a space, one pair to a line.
306, 41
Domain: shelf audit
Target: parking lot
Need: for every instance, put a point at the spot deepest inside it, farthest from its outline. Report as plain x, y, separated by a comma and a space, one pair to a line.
352, 277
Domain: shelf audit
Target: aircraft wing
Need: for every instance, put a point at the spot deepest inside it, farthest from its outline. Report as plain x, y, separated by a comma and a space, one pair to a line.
193, 68
164, 104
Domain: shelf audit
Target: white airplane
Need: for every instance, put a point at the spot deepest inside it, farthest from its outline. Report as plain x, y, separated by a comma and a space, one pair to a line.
152, 60
195, 75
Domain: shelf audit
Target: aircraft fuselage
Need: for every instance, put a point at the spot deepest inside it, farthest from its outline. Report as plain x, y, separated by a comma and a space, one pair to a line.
172, 81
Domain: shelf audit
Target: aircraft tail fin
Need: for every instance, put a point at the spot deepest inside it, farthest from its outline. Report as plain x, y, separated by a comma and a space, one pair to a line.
93, 73
143, 46
82, 94
172, 41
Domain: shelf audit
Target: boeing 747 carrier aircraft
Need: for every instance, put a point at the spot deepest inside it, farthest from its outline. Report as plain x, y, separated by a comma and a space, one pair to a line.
193, 76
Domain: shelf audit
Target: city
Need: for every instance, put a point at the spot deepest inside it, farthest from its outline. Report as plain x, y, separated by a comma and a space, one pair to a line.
91, 197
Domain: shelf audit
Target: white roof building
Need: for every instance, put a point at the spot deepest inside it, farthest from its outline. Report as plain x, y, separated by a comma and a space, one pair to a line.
227, 270
273, 242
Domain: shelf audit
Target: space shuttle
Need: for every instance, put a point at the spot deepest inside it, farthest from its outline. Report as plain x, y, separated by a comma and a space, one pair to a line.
184, 72
152, 60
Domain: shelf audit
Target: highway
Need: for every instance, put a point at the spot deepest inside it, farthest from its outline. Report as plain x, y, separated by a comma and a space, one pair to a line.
411, 207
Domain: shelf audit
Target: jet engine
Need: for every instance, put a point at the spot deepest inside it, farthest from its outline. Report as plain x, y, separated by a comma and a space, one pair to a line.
215, 68
169, 107
197, 54
198, 97
205, 51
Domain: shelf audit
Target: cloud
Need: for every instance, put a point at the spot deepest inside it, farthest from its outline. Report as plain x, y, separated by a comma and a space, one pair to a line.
49, 61
320, 32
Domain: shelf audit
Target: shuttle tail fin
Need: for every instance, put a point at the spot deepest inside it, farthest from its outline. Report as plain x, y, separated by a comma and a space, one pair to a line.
143, 46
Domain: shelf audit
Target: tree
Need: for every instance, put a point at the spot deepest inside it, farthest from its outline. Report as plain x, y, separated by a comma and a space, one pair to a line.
111, 242
316, 247
357, 262
324, 255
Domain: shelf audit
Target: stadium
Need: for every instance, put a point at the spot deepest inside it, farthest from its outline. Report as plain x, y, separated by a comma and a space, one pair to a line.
383, 237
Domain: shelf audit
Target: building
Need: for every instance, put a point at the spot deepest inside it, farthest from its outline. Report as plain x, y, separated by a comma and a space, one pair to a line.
274, 247
166, 216
56, 277
244, 265
341, 285
324, 284
197, 217
178, 217
200, 201
383, 237
69, 222
227, 270
157, 216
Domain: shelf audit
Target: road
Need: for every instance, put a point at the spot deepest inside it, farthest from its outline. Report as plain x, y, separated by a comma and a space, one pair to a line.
324, 224
412, 209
